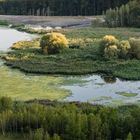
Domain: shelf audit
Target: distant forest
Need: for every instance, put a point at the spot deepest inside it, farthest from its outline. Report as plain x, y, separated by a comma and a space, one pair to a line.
57, 7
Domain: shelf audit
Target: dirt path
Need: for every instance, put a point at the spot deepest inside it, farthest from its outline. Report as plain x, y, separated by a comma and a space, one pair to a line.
50, 21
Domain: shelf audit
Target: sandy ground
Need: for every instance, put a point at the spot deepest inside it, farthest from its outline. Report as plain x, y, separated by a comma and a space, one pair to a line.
50, 21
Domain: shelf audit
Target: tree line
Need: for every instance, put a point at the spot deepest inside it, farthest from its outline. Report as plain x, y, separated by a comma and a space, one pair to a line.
57, 7
126, 15
69, 121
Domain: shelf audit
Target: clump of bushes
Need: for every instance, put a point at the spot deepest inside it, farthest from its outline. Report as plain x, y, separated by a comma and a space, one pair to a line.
111, 51
135, 47
52, 43
109, 46
113, 48
109, 40
124, 48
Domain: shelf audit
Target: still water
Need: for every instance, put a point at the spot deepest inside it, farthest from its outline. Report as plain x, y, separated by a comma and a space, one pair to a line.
9, 36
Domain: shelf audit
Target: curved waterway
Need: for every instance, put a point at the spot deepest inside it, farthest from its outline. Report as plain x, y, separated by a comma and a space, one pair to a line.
10, 36
94, 89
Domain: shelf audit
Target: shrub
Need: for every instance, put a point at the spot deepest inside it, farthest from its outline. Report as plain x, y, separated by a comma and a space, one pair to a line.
53, 42
108, 46
135, 47
26, 44
124, 47
109, 40
111, 51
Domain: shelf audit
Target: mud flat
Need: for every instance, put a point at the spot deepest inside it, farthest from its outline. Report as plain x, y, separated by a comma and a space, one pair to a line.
65, 22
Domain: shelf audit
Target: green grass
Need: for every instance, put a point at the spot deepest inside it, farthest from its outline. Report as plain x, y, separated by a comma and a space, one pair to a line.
126, 94
120, 33
74, 62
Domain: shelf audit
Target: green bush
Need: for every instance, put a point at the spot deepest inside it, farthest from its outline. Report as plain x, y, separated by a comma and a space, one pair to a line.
108, 46
111, 52
124, 47
52, 43
135, 47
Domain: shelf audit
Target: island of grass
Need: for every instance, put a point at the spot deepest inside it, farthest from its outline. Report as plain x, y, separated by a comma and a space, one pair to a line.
127, 94
82, 56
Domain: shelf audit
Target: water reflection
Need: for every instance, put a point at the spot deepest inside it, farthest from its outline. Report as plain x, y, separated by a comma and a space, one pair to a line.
103, 89
109, 79
10, 36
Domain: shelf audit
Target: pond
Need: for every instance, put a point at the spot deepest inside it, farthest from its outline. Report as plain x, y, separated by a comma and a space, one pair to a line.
10, 36
103, 90
96, 89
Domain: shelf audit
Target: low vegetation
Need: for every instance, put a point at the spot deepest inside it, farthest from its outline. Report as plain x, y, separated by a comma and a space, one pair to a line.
26, 44
116, 57
23, 87
127, 94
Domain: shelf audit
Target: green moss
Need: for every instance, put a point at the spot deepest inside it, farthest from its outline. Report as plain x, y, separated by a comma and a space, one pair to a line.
126, 94
102, 98
21, 87
117, 103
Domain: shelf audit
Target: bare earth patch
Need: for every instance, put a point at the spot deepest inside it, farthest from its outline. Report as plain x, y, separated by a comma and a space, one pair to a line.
65, 22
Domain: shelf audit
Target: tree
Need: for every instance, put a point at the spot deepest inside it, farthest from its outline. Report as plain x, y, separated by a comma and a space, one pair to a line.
129, 136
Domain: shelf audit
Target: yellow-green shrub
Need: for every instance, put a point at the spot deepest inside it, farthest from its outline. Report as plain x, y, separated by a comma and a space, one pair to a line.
135, 47
109, 40
52, 43
124, 47
106, 41
111, 51
26, 44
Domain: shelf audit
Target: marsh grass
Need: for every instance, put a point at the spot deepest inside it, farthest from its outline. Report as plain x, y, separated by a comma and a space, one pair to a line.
126, 94
85, 60
18, 86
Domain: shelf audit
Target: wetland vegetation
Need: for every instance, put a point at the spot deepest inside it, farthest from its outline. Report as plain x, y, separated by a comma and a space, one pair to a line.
84, 60
71, 84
